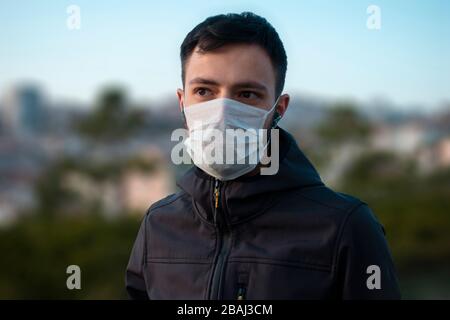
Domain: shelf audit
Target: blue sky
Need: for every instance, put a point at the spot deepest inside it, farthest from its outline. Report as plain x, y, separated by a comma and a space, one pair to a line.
331, 52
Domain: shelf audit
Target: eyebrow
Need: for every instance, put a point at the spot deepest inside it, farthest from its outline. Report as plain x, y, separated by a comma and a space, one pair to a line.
204, 81
250, 85
244, 84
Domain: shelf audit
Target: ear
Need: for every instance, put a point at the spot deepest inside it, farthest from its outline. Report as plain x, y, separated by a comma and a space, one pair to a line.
283, 104
180, 95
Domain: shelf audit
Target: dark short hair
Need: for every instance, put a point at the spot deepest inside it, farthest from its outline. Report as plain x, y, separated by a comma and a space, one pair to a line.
233, 28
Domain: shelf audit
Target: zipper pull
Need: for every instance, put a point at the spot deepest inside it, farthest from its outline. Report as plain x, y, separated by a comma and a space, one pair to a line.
216, 194
216, 199
241, 293
242, 285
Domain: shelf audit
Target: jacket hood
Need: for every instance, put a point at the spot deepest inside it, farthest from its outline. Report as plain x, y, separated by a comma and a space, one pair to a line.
247, 196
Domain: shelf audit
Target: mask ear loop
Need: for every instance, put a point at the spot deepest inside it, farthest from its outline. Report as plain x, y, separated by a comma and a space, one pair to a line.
276, 117
184, 116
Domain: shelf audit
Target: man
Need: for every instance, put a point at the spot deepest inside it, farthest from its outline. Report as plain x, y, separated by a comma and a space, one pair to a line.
232, 232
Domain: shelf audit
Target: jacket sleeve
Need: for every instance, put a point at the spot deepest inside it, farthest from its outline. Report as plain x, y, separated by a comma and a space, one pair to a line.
134, 277
365, 269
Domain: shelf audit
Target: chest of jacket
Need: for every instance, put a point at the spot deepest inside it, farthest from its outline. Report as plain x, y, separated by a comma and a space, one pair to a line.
284, 252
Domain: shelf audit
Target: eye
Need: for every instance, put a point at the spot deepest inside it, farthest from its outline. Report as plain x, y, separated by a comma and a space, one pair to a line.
248, 95
203, 92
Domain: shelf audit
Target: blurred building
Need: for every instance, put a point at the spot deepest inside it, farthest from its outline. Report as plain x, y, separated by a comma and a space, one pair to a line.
132, 191
399, 138
21, 163
435, 156
24, 110
142, 189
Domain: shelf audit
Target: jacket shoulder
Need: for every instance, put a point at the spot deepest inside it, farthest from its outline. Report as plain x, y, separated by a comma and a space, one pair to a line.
327, 198
167, 201
347, 209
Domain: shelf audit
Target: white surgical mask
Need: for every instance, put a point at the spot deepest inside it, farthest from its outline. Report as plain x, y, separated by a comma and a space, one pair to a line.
214, 144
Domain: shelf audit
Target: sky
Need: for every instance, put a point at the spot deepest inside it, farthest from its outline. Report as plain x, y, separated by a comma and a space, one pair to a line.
331, 51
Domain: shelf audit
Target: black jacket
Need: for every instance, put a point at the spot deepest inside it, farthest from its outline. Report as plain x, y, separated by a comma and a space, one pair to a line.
285, 236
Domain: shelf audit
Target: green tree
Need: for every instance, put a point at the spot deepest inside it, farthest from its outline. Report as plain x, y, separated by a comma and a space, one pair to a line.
112, 118
343, 123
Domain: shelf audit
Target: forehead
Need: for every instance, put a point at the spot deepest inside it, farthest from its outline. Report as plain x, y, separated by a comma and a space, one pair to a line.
232, 64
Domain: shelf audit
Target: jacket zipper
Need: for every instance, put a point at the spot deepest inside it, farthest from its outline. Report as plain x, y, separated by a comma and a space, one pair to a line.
224, 244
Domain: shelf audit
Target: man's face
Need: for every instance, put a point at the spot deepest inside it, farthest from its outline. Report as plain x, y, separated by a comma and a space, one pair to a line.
240, 72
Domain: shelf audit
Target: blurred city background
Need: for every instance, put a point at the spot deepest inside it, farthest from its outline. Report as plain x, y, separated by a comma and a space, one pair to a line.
86, 117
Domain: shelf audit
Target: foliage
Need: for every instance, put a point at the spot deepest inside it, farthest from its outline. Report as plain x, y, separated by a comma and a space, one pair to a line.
112, 119
343, 123
37, 251
414, 208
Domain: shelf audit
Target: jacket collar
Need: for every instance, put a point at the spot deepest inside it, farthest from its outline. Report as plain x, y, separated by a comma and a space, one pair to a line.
248, 196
